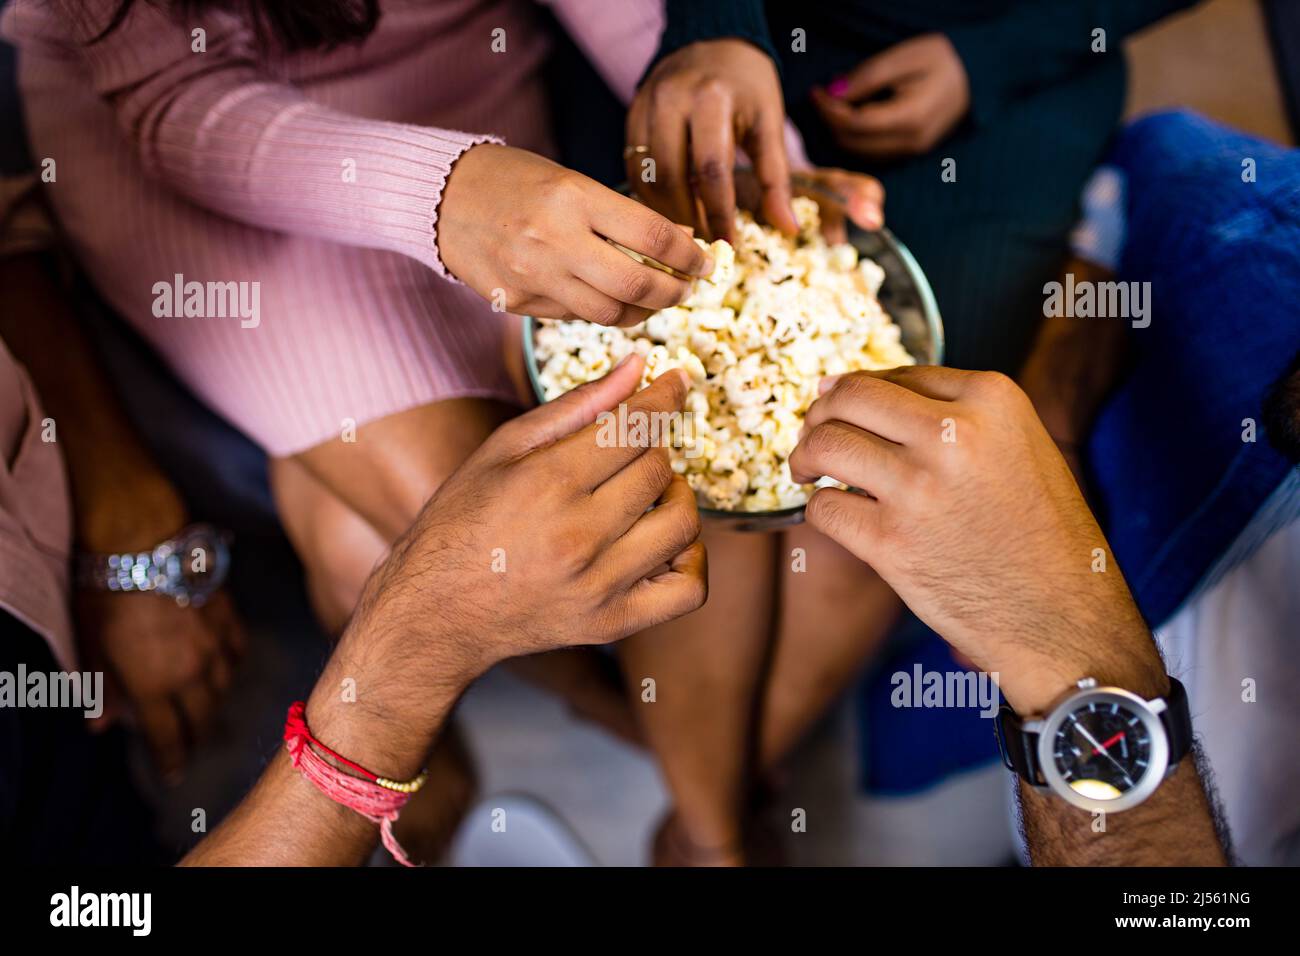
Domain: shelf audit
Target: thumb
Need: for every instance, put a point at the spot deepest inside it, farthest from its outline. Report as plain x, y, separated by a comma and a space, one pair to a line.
575, 409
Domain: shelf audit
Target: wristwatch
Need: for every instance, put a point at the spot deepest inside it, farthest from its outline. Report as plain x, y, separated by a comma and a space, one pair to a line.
1099, 748
188, 567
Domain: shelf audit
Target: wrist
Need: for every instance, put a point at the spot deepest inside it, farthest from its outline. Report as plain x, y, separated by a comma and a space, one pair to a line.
464, 183
388, 689
1124, 656
388, 734
129, 515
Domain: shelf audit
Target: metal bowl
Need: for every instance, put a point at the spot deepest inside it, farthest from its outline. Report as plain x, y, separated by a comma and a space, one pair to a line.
905, 294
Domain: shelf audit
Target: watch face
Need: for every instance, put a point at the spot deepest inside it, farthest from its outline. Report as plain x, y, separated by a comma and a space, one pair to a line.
1103, 750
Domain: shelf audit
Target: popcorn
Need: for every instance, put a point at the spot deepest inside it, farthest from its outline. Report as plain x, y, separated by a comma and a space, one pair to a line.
755, 337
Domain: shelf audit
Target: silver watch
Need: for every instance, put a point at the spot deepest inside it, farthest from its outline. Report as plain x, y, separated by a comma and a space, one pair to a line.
1099, 748
187, 568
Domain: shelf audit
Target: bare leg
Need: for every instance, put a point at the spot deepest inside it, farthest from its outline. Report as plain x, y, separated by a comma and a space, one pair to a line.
834, 615
589, 682
706, 668
338, 548
398, 462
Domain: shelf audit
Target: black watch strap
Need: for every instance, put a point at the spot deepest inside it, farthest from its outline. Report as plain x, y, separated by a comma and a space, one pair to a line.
1177, 718
1019, 747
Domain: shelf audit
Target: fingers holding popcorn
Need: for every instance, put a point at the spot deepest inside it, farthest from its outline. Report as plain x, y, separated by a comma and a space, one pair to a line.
850, 455
755, 337
681, 589
660, 534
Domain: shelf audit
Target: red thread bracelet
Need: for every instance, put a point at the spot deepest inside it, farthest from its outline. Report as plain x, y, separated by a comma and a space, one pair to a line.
376, 798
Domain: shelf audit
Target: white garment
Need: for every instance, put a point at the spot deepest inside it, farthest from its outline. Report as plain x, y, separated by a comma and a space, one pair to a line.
1246, 628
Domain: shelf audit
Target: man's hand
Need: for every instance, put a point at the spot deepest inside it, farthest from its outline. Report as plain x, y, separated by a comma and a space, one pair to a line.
689, 115
544, 538
969, 512
515, 225
172, 664
900, 102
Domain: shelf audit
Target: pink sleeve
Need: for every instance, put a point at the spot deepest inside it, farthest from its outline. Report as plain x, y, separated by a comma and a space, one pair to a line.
216, 128
620, 36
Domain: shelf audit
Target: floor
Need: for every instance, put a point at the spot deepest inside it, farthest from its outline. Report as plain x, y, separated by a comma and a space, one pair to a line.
611, 795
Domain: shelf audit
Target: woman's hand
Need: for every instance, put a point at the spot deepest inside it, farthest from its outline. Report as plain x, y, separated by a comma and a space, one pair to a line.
927, 90
841, 196
530, 235
168, 667
689, 115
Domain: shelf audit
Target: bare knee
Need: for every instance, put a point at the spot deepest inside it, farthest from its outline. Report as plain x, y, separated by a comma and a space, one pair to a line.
337, 547
397, 462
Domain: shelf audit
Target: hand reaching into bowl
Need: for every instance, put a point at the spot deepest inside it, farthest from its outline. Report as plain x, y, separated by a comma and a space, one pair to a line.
843, 197
544, 538
689, 115
693, 111
526, 232
969, 513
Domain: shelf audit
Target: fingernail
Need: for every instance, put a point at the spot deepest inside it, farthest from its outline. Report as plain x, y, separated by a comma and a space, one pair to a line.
706, 269
827, 383
838, 87
623, 361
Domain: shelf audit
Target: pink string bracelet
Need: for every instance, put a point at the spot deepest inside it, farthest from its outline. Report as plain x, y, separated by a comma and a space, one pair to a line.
378, 799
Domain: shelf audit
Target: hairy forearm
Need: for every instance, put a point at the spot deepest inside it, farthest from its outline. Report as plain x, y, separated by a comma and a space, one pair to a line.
286, 821
111, 473
1174, 827
381, 701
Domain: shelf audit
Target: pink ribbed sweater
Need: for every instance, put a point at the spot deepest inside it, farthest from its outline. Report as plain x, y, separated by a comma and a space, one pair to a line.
316, 175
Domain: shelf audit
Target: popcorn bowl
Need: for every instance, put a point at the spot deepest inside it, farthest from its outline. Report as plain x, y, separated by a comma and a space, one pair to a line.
905, 294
